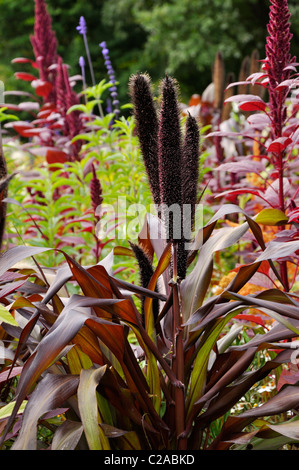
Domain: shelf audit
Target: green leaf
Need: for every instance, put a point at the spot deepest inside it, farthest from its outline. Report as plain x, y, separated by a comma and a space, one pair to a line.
7, 317
6, 410
88, 407
271, 217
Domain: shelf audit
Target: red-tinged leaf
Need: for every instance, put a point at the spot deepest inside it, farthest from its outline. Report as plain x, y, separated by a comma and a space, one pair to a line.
251, 318
161, 267
11, 287
248, 102
56, 156
21, 127
252, 106
60, 335
28, 77
290, 376
13, 107
42, 88
278, 145
236, 192
21, 60
10, 373
35, 132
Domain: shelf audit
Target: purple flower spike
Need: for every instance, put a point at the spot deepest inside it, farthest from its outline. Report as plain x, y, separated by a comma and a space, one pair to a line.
82, 62
113, 89
82, 28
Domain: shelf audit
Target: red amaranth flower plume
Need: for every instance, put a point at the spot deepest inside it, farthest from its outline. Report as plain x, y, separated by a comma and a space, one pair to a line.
95, 190
278, 60
65, 98
44, 40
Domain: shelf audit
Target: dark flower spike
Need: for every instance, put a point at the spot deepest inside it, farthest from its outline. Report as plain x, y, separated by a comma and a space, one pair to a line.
170, 156
147, 125
189, 175
146, 272
190, 165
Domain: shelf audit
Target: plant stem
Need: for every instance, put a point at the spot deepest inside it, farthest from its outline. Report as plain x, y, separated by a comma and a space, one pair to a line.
178, 363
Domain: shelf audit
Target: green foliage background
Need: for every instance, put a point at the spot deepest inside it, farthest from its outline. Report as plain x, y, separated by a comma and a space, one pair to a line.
157, 36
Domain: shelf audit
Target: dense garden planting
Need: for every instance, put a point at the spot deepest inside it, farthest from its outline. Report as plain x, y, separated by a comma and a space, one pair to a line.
149, 282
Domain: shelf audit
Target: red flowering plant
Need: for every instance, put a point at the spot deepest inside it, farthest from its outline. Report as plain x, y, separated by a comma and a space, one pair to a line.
266, 175
51, 130
167, 376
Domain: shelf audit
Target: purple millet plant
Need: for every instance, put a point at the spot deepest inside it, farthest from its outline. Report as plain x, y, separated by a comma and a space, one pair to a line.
171, 162
111, 74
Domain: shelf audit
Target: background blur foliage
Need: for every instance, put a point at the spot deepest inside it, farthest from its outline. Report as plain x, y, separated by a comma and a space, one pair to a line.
151, 36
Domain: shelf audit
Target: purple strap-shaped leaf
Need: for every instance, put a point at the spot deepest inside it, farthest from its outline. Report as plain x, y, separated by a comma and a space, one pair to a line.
247, 166
260, 120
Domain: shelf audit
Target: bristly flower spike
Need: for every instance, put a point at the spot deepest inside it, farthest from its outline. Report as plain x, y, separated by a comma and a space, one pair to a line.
190, 166
170, 157
147, 125
189, 175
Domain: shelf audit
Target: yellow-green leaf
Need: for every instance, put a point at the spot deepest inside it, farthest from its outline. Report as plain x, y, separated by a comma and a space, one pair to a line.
6, 410
271, 217
7, 317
